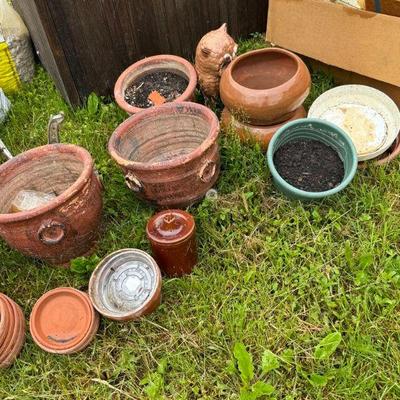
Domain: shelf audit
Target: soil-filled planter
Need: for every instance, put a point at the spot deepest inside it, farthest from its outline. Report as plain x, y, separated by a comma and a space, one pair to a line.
150, 65
326, 133
261, 134
65, 227
266, 86
169, 154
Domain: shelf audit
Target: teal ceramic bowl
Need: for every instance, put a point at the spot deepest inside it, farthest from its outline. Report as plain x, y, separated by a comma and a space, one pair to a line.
315, 129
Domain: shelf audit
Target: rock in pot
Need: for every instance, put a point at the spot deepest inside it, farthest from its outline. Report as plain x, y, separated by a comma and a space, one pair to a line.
317, 130
267, 86
149, 65
65, 227
169, 154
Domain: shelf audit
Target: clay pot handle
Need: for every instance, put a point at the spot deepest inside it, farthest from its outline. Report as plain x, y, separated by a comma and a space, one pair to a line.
207, 171
51, 232
133, 182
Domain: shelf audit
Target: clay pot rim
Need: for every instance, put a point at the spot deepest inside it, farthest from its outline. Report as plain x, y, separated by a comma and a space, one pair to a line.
258, 92
70, 192
131, 315
4, 321
119, 85
168, 108
10, 323
166, 241
33, 321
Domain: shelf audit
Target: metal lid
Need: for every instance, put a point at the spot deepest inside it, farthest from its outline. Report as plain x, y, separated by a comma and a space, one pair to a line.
61, 320
368, 116
124, 283
170, 226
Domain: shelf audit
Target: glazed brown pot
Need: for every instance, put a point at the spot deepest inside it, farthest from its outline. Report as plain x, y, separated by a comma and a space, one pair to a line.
266, 86
260, 134
166, 62
389, 155
65, 227
172, 235
169, 154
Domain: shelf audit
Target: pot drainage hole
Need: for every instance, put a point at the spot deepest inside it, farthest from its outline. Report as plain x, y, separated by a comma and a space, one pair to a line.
309, 165
167, 84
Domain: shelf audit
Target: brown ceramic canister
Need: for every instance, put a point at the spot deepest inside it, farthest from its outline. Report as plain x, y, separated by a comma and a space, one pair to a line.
172, 235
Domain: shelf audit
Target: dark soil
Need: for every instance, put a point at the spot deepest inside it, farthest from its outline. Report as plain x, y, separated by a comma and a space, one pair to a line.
168, 84
309, 165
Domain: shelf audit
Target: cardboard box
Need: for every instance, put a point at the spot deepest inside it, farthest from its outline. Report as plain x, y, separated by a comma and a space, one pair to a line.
364, 44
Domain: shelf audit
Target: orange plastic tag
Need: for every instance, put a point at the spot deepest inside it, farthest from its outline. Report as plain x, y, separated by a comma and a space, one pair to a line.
156, 98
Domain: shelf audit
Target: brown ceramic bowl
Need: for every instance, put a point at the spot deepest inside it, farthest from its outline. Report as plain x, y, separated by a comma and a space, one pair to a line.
389, 155
260, 134
267, 85
148, 65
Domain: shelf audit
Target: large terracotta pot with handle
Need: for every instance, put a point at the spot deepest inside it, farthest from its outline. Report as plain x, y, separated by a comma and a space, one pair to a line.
169, 154
267, 86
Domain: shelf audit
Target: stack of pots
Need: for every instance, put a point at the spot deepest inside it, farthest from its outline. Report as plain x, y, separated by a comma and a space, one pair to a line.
12, 331
262, 90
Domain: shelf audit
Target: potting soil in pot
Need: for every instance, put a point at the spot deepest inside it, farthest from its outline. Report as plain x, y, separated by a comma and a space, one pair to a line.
167, 84
309, 165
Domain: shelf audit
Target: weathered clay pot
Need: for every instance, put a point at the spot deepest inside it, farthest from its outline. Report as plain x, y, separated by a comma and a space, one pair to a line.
65, 227
389, 155
169, 154
166, 62
267, 85
260, 134
172, 235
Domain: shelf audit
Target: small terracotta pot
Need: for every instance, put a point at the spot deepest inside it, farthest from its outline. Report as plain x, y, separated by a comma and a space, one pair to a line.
260, 134
267, 86
126, 285
63, 321
65, 227
172, 235
149, 65
391, 154
169, 154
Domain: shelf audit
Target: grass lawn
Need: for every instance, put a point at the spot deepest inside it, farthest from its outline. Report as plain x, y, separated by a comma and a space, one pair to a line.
276, 275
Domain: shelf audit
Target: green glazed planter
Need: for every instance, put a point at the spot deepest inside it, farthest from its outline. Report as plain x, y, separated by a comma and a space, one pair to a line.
325, 132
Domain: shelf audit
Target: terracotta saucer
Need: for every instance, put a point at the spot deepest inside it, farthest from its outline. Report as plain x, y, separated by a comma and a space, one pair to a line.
61, 320
9, 328
4, 320
18, 339
260, 133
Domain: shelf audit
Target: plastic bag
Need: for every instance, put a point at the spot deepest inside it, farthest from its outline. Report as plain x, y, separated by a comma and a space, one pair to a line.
16, 55
4, 106
27, 200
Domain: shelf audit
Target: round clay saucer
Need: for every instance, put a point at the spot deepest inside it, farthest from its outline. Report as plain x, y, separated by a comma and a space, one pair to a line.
15, 332
63, 321
126, 285
367, 115
262, 134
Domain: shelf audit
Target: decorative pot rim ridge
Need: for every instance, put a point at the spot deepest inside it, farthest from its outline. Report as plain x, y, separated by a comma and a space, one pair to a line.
290, 54
67, 194
119, 85
305, 193
168, 108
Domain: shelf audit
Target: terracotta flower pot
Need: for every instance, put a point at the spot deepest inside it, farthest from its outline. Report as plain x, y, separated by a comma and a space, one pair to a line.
149, 65
169, 154
267, 86
63, 321
65, 227
389, 155
126, 285
260, 134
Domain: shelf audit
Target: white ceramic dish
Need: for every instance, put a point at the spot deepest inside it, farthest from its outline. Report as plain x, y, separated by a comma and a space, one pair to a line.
369, 116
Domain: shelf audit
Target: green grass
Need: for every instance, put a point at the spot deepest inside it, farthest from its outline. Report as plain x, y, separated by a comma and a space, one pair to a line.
274, 274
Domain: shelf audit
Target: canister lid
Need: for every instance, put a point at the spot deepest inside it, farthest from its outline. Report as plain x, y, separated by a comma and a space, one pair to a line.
124, 283
170, 226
